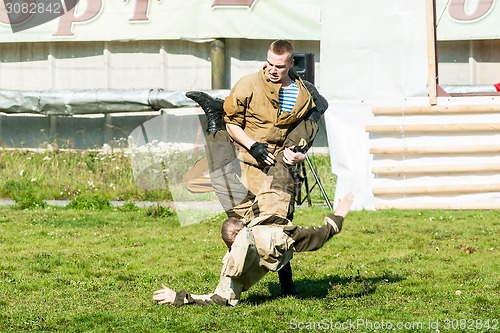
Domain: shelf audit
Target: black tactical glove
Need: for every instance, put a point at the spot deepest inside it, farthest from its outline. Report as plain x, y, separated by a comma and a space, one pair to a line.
259, 151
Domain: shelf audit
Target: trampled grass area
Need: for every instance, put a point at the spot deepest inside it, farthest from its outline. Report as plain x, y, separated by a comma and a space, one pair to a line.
64, 270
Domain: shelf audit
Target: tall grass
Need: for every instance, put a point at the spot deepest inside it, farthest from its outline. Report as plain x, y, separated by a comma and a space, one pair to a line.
33, 176
66, 174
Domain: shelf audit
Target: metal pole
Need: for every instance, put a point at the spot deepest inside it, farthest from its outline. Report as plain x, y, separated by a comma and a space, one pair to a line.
306, 184
328, 203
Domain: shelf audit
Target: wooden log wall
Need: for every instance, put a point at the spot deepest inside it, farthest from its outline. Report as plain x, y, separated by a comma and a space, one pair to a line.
436, 156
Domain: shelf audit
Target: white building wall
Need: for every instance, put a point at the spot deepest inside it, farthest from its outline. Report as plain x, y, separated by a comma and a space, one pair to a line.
170, 65
182, 65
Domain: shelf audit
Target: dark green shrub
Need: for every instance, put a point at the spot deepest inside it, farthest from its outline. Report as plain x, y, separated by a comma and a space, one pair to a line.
26, 194
159, 211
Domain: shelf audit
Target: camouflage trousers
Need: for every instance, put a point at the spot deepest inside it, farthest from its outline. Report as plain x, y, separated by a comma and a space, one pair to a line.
248, 191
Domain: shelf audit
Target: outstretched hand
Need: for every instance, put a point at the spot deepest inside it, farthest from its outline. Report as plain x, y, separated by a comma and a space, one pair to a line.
344, 205
164, 295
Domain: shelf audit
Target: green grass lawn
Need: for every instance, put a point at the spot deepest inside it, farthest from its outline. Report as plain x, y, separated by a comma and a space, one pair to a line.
64, 270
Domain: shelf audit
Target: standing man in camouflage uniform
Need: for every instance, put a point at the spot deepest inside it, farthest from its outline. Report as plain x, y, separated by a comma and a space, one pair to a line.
271, 117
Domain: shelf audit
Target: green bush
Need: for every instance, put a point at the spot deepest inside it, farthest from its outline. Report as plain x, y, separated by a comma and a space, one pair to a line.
28, 200
128, 206
89, 202
26, 194
159, 211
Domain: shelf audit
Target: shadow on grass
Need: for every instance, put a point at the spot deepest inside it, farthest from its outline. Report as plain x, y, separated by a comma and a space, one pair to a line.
329, 286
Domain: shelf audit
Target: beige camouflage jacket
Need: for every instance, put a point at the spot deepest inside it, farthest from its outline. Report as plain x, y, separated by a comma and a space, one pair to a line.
255, 251
253, 104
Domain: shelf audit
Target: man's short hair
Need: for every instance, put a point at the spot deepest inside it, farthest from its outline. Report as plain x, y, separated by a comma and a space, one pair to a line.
282, 46
230, 228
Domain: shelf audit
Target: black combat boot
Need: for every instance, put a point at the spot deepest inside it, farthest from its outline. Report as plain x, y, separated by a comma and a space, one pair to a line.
213, 108
321, 103
314, 114
287, 285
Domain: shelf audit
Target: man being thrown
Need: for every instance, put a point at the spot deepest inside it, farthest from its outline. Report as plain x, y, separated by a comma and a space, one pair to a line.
253, 250
257, 243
